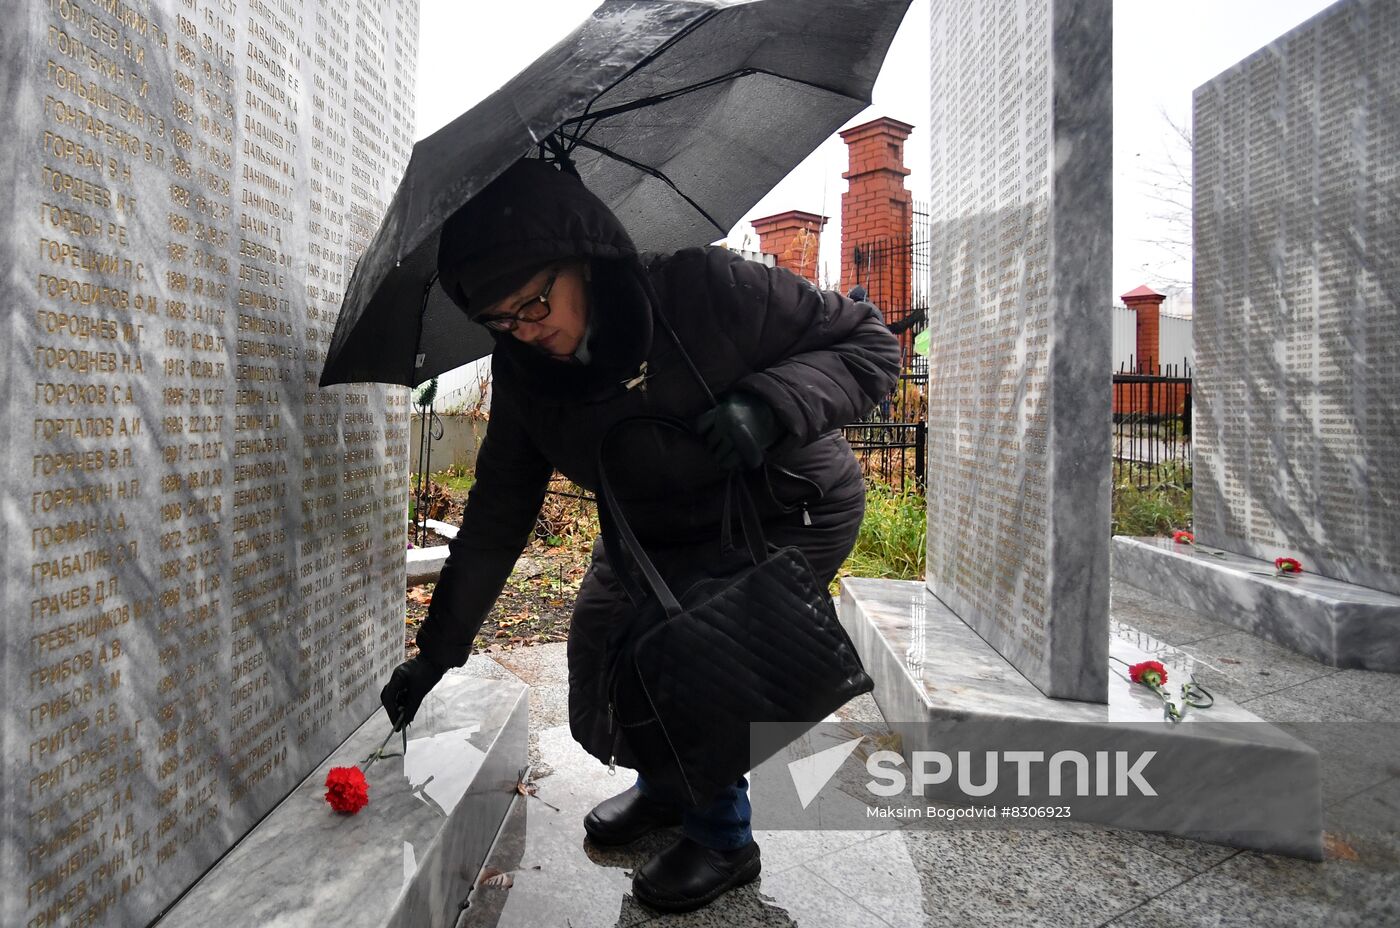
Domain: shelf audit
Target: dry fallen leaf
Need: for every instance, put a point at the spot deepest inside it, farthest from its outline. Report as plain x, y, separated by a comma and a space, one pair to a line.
527, 788
1334, 848
493, 877
420, 596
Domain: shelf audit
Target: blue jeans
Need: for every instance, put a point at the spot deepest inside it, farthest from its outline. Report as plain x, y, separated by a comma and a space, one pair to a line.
721, 823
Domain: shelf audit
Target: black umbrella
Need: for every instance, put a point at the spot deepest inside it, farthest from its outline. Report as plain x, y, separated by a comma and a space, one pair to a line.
679, 114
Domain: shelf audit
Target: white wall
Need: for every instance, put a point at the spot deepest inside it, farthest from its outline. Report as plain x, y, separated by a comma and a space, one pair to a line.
1174, 340
1124, 337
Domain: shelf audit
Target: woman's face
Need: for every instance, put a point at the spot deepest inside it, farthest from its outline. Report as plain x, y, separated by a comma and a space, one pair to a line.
559, 333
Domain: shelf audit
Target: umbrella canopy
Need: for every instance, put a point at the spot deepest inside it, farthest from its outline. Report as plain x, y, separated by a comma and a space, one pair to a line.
679, 114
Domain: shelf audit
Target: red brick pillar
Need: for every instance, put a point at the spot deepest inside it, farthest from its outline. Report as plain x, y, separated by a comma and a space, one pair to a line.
876, 207
793, 238
1147, 304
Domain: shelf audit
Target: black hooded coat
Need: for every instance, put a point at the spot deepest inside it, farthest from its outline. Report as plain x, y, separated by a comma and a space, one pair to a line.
818, 359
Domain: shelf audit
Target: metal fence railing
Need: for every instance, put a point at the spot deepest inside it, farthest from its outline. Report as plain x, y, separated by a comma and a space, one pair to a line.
1152, 426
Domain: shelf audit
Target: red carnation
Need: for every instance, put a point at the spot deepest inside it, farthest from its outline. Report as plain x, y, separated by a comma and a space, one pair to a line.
346, 789
1183, 538
1288, 565
1148, 673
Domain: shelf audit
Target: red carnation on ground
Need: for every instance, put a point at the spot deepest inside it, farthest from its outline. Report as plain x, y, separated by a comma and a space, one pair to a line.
1288, 565
346, 789
1183, 538
1148, 673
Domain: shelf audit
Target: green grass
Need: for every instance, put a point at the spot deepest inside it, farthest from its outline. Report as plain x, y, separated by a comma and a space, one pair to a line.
1156, 507
891, 540
455, 477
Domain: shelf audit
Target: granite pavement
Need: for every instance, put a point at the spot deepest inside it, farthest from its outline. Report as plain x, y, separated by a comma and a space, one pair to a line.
1075, 876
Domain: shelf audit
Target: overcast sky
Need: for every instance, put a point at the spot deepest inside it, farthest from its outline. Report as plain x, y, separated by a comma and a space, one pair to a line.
1162, 51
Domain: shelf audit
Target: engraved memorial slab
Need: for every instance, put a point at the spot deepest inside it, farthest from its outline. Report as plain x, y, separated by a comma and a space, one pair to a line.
1297, 281
1297, 378
1018, 401
203, 553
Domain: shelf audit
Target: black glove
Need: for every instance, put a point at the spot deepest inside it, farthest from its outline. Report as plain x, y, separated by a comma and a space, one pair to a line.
738, 430
407, 687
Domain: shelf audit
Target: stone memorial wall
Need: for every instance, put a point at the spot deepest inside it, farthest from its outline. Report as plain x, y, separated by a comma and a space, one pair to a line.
1297, 299
1019, 358
203, 553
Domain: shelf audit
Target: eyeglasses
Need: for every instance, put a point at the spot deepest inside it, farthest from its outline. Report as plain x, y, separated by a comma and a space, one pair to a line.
533, 311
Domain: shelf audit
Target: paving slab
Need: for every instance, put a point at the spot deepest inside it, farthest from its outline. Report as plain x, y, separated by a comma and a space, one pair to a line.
559, 878
971, 877
1250, 889
1240, 666
1029, 877
1143, 610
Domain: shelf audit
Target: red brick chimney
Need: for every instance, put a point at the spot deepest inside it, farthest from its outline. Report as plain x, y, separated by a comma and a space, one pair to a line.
793, 238
876, 206
1147, 303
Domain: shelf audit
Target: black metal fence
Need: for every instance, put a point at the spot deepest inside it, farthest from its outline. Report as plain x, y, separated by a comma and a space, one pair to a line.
1152, 425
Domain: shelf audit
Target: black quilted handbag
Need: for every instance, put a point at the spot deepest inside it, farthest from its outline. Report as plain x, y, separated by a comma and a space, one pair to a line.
687, 675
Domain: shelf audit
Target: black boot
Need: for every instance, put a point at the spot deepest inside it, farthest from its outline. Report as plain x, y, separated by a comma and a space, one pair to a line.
627, 816
688, 875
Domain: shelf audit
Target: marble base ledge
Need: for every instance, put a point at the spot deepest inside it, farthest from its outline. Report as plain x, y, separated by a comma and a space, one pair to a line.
1332, 621
425, 564
409, 858
1242, 781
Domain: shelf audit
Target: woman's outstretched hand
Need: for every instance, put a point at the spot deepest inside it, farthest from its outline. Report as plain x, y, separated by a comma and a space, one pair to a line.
738, 430
408, 685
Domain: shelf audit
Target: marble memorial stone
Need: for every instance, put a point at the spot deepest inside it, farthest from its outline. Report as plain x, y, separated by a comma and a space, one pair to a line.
1018, 487
938, 683
1297, 299
1013, 615
203, 553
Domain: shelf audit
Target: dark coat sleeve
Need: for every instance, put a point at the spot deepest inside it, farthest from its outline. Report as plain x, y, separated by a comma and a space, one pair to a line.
820, 360
511, 478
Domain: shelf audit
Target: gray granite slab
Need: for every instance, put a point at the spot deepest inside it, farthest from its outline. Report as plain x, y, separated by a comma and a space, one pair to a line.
799, 896
1359, 694
1296, 422
1252, 889
557, 877
931, 669
1332, 621
1144, 611
201, 553
1369, 822
409, 858
1018, 420
1198, 856
967, 878
1242, 667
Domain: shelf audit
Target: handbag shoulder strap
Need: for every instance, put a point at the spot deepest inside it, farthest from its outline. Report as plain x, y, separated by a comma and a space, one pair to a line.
614, 523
